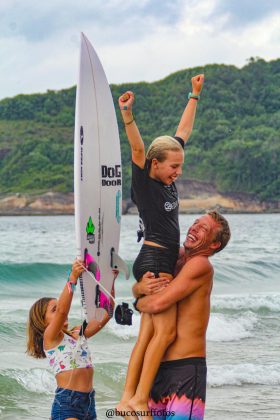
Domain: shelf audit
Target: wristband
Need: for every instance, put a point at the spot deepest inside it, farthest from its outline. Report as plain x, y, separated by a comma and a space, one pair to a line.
193, 96
70, 285
124, 108
129, 122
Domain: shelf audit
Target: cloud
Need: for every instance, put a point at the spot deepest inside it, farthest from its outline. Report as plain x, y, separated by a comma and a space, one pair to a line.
36, 22
135, 40
246, 12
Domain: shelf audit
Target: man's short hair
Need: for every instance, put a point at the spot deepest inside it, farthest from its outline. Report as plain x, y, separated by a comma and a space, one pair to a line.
223, 234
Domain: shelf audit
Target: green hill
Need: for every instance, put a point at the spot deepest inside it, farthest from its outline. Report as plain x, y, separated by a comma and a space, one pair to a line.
235, 142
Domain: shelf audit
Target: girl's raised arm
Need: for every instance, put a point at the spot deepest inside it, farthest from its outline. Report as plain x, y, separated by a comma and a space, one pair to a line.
134, 137
61, 308
187, 120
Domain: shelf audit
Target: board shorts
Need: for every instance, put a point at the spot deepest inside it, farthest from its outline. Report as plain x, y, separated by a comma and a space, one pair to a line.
179, 390
155, 259
68, 403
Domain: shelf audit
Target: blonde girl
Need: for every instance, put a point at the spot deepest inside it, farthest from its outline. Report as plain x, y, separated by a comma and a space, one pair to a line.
154, 192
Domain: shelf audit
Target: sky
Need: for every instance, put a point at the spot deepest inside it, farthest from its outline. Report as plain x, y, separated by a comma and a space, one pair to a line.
136, 40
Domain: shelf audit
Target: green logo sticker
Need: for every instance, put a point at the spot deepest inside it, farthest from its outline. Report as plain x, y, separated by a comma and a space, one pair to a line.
90, 231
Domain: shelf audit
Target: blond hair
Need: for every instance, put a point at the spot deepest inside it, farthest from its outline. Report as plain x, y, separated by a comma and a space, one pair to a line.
223, 234
160, 146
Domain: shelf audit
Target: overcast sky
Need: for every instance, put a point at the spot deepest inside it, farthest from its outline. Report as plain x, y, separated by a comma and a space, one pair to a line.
136, 40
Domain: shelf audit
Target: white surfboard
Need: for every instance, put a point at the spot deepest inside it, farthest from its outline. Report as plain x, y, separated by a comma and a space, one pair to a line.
98, 182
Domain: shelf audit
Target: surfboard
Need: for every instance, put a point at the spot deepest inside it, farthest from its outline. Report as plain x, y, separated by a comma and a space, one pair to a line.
97, 183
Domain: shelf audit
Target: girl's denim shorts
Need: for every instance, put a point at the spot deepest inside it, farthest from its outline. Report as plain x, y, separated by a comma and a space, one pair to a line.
68, 403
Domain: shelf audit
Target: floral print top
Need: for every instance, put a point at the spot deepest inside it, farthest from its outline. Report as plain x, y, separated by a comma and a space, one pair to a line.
69, 354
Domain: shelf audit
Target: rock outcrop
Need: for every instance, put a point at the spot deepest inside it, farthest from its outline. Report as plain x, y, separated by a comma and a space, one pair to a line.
195, 197
50, 203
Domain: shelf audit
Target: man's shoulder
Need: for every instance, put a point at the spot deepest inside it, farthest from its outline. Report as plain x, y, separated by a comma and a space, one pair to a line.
199, 265
200, 259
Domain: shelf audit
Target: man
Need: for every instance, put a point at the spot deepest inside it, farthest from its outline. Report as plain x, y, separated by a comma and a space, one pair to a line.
179, 388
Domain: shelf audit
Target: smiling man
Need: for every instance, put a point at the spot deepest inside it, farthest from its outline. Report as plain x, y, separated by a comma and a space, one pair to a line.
179, 388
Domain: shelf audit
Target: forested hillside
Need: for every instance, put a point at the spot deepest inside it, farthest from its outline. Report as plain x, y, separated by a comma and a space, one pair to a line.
235, 143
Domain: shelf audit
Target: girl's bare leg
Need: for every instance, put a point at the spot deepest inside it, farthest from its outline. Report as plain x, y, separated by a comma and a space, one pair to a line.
136, 362
164, 334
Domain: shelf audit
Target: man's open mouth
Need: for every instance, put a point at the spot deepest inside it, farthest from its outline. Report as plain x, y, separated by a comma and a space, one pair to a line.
191, 237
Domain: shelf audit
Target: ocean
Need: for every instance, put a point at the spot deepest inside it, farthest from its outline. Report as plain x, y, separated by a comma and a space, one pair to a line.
243, 350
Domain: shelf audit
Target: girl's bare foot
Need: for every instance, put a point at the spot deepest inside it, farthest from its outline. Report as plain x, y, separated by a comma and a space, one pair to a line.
140, 407
124, 410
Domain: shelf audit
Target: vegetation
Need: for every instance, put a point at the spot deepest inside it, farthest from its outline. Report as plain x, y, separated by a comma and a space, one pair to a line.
235, 142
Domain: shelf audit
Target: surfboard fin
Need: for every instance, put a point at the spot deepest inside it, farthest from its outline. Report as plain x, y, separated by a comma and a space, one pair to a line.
117, 263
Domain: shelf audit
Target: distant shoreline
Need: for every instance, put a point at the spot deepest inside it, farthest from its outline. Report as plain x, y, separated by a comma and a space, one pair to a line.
199, 198
127, 214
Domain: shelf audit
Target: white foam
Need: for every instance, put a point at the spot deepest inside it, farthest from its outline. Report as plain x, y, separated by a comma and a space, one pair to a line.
125, 332
255, 302
221, 327
231, 328
35, 380
245, 373
114, 373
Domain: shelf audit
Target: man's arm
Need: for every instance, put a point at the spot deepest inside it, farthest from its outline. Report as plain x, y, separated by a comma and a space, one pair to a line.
192, 276
149, 285
187, 120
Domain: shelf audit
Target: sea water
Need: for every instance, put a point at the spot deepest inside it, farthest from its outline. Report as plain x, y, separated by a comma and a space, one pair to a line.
243, 350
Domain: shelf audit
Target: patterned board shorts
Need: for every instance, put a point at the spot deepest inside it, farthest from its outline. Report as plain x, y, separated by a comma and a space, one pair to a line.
179, 390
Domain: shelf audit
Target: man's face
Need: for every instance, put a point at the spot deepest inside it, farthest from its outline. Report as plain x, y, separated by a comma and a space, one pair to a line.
201, 234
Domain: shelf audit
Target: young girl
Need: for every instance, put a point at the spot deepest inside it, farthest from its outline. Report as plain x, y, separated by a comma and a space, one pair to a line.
155, 195
67, 351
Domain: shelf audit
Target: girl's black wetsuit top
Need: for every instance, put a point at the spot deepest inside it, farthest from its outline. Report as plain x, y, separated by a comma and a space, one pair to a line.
158, 207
